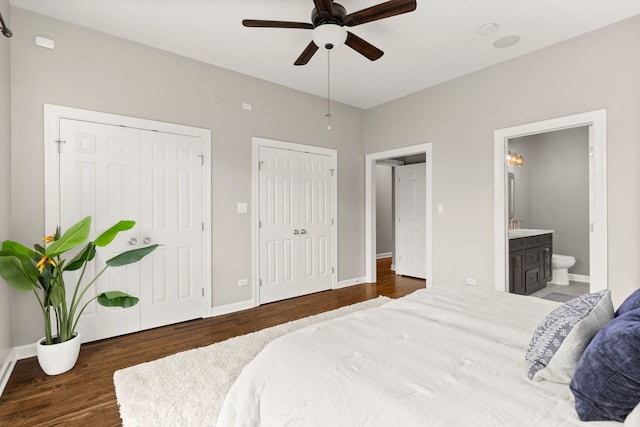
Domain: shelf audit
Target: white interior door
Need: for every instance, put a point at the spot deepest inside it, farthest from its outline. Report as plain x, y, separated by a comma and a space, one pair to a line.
279, 212
411, 220
316, 207
112, 173
99, 178
295, 214
171, 215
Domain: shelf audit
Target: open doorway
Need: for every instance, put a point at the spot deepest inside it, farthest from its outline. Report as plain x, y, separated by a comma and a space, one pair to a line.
370, 205
595, 125
549, 190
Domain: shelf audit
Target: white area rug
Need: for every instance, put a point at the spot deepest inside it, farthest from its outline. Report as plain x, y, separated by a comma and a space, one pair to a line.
188, 388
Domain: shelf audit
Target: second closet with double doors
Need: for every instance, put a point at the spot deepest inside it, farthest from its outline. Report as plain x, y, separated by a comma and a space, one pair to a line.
296, 223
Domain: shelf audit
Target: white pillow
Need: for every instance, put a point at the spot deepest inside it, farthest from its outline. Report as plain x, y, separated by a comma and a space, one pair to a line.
633, 419
561, 338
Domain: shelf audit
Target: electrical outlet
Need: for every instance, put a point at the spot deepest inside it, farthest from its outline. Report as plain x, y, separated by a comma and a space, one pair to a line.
246, 106
471, 281
243, 282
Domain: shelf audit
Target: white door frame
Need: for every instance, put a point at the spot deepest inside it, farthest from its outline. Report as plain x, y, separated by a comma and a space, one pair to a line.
370, 206
258, 142
597, 122
52, 116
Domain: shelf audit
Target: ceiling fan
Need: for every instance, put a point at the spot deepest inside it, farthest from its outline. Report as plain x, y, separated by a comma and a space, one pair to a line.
328, 20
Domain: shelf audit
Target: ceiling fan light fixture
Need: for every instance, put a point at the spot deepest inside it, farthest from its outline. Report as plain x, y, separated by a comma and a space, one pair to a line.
329, 36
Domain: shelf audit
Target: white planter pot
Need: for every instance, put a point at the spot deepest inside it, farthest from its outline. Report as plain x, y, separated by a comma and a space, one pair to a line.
55, 359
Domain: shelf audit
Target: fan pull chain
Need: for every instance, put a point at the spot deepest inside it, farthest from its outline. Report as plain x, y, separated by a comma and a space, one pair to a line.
328, 115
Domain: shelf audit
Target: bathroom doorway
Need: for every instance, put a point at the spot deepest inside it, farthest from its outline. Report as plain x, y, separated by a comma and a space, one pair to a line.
593, 124
549, 190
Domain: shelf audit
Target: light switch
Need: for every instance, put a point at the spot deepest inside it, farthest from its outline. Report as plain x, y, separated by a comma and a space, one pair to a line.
440, 208
242, 208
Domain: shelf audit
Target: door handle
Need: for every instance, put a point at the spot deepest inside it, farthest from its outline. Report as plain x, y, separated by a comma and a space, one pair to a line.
133, 241
296, 232
303, 231
146, 240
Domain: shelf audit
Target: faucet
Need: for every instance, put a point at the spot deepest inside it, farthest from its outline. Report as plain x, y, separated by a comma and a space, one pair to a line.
515, 223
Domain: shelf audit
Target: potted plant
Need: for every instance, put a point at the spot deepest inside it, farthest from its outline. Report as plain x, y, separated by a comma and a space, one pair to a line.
42, 269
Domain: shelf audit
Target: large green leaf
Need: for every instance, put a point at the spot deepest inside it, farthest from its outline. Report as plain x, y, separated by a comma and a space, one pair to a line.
117, 299
17, 273
73, 237
16, 247
87, 254
56, 293
107, 237
130, 257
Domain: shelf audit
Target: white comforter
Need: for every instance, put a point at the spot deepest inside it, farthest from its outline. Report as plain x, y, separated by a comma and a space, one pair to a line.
446, 356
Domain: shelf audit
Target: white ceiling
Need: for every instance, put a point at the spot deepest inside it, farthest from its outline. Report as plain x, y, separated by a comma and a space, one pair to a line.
434, 44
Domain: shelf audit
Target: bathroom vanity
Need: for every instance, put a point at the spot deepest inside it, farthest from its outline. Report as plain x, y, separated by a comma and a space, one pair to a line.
530, 254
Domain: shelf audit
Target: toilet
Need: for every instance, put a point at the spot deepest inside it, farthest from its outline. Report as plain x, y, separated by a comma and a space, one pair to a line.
560, 265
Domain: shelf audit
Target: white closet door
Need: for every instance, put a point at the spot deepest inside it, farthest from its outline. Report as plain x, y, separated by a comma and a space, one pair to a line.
171, 215
279, 231
316, 207
411, 220
154, 178
99, 177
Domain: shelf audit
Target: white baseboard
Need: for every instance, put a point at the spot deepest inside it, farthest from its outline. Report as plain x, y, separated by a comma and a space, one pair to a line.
393, 267
231, 308
7, 369
579, 278
384, 255
25, 351
350, 282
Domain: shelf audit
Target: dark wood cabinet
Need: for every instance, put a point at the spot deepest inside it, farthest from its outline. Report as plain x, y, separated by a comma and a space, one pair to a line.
530, 263
516, 272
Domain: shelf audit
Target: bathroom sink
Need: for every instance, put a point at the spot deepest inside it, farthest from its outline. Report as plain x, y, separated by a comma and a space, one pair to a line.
527, 232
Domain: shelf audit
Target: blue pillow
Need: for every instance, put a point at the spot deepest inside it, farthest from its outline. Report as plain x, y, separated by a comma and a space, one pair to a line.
606, 383
631, 303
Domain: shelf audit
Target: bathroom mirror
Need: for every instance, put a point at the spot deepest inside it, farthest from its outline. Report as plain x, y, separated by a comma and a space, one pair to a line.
511, 194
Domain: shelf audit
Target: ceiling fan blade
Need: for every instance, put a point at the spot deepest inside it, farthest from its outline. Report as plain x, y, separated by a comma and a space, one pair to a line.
324, 7
380, 11
363, 47
276, 24
306, 54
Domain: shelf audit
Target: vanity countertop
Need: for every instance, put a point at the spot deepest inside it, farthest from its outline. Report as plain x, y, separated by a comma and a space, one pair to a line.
526, 232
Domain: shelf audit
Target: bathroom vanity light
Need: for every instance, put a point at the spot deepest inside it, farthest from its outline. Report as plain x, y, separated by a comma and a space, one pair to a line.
515, 158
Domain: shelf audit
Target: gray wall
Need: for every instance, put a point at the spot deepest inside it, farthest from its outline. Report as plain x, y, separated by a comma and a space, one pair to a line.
95, 71
6, 342
596, 70
384, 213
554, 183
560, 192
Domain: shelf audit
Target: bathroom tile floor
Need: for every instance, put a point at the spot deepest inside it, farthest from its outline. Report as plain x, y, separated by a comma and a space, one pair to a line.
562, 293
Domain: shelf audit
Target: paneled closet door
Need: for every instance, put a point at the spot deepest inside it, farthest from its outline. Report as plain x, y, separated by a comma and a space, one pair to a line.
315, 221
296, 205
279, 231
154, 178
99, 178
171, 215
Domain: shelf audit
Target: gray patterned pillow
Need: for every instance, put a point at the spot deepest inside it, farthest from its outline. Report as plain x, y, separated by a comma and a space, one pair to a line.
561, 338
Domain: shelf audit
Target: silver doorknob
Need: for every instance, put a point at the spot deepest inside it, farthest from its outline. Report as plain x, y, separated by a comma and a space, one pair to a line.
296, 232
133, 241
303, 231
146, 240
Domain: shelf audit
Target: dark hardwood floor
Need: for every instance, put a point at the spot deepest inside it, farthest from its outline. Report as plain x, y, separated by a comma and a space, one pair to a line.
86, 396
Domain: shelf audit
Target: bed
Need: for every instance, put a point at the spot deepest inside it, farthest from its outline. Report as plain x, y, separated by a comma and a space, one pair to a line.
444, 356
